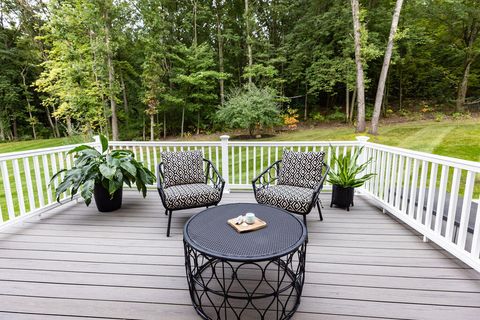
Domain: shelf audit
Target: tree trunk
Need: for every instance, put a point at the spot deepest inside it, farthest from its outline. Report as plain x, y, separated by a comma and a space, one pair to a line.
183, 121
352, 105
50, 122
220, 56
29, 106
111, 79
198, 122
152, 126
462, 89
164, 125
124, 94
347, 102
249, 40
2, 131
305, 113
69, 126
470, 36
361, 126
386, 64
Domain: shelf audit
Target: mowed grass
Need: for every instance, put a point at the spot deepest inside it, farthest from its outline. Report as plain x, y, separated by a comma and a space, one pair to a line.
457, 139
16, 146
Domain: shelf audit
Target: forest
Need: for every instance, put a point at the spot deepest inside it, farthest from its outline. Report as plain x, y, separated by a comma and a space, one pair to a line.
149, 69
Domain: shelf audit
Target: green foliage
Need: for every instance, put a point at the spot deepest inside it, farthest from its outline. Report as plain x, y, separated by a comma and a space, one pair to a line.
318, 117
250, 108
346, 170
336, 115
169, 59
111, 169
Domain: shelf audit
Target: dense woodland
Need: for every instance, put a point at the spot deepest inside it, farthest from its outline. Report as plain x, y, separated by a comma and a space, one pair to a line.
155, 68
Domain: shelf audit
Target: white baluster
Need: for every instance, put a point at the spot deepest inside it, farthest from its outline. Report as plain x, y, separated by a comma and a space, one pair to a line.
421, 191
466, 205
46, 175
8, 191
452, 206
442, 190
431, 195
18, 185
29, 182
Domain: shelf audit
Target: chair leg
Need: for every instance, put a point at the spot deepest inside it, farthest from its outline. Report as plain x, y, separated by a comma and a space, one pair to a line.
305, 219
166, 212
319, 212
169, 222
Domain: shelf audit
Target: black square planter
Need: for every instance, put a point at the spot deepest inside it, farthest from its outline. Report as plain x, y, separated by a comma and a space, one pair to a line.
342, 197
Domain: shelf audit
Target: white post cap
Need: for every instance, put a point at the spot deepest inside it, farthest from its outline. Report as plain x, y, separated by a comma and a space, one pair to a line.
224, 137
362, 138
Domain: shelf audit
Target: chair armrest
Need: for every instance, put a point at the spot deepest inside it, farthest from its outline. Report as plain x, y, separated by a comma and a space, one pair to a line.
267, 177
319, 187
213, 177
160, 176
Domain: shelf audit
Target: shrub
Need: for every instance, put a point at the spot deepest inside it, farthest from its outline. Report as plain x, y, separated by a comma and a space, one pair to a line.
461, 115
318, 117
337, 115
290, 118
250, 108
438, 117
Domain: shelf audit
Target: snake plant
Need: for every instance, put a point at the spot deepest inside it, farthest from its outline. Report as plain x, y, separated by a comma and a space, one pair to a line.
346, 170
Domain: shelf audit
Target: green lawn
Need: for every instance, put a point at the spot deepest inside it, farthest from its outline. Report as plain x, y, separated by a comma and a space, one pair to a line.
37, 144
458, 139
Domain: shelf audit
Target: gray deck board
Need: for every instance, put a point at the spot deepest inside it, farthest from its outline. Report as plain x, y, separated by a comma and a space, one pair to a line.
74, 263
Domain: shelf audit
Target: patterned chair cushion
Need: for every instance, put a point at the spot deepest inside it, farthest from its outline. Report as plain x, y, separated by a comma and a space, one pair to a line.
183, 167
291, 198
190, 195
301, 169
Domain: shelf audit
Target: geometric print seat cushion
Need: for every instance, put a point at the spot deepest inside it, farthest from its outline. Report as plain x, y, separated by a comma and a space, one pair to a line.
182, 167
301, 169
291, 198
190, 195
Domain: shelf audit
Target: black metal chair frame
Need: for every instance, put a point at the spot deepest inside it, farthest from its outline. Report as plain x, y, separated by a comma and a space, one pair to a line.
211, 175
270, 175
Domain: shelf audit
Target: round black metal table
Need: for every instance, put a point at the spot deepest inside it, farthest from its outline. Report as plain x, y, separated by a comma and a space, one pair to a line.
253, 275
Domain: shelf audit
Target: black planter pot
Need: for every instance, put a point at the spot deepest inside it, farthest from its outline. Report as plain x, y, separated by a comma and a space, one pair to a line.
342, 197
104, 202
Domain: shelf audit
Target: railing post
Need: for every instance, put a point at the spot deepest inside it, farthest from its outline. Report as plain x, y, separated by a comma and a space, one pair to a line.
98, 143
361, 141
363, 156
225, 162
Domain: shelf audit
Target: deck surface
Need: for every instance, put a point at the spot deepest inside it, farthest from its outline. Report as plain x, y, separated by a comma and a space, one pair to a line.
75, 263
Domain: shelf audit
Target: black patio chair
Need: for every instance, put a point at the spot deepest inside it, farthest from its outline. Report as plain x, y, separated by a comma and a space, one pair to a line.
293, 183
183, 183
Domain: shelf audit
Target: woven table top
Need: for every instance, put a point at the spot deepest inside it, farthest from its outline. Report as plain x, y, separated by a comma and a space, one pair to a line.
209, 233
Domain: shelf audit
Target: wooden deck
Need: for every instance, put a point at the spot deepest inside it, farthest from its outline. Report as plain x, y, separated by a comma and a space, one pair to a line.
75, 263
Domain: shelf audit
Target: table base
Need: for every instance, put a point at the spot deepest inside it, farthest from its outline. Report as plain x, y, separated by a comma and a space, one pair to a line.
223, 289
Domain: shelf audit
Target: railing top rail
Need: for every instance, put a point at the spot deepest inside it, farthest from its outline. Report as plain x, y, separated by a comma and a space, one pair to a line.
165, 143
293, 143
443, 160
39, 152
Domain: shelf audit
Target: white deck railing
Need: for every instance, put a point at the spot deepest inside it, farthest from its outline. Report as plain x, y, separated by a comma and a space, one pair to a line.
433, 194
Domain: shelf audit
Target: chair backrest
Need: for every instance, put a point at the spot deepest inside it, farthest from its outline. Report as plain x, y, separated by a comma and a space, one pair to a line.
183, 167
301, 169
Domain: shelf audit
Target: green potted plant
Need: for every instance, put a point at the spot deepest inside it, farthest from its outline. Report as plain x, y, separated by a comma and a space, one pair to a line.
102, 175
345, 178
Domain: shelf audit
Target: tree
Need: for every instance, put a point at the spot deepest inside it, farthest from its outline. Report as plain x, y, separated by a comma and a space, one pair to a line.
361, 126
250, 108
385, 66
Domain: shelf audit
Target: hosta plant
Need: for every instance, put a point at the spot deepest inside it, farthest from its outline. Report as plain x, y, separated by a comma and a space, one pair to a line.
108, 168
347, 172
